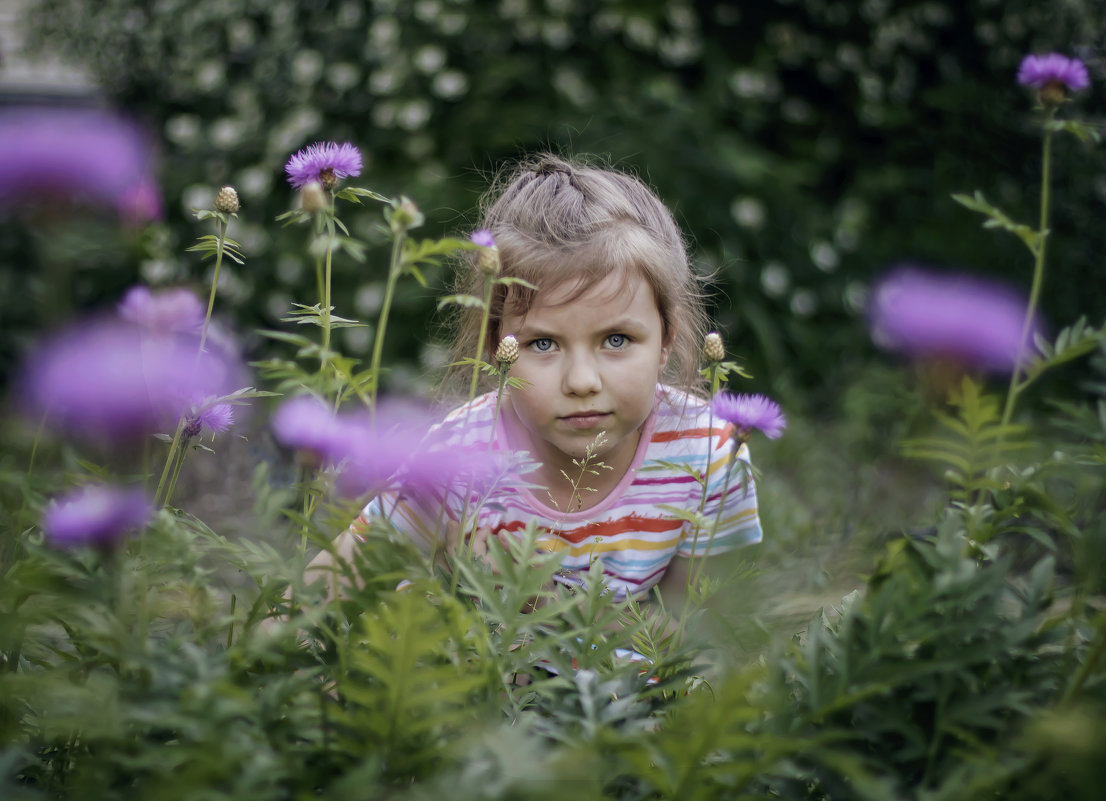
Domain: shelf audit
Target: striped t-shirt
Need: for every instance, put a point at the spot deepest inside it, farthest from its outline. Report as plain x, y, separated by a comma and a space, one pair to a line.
629, 531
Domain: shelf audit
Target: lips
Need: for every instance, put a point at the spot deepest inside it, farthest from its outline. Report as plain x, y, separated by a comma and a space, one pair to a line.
585, 420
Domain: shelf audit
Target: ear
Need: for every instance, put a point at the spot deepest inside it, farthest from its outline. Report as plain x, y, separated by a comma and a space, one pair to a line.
666, 344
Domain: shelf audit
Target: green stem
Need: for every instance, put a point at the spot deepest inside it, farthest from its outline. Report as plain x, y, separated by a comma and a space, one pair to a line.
735, 449
498, 401
706, 467
394, 269
220, 242
326, 291
489, 285
174, 446
176, 472
1038, 274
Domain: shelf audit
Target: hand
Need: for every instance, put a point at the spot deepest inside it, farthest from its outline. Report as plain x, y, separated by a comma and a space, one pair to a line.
476, 541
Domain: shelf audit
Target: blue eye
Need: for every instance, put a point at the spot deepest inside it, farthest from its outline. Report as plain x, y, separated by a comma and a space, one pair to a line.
542, 344
617, 340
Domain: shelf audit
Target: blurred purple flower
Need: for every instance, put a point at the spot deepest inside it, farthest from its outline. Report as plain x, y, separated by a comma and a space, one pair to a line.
107, 378
942, 316
1040, 71
305, 423
749, 412
95, 515
393, 450
483, 238
325, 162
79, 155
167, 310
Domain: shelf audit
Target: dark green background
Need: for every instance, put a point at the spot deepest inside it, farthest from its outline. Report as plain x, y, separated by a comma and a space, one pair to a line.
835, 130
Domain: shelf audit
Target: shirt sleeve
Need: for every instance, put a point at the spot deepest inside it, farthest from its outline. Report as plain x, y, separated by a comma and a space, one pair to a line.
420, 518
730, 517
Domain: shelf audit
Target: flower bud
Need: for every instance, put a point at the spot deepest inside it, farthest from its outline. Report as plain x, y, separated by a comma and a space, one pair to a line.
227, 200
406, 215
313, 197
488, 261
507, 352
713, 349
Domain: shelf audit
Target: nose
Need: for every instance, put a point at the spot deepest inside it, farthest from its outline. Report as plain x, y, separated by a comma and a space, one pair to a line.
581, 376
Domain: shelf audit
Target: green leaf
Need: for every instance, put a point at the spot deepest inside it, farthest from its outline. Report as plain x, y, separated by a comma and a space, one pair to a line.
468, 301
997, 219
1080, 130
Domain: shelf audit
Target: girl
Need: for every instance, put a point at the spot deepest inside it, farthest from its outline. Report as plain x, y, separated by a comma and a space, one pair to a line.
609, 346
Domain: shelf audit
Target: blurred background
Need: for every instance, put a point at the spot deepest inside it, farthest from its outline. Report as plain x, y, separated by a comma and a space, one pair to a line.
805, 146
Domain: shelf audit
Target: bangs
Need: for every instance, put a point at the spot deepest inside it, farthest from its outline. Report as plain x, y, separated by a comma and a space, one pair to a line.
564, 274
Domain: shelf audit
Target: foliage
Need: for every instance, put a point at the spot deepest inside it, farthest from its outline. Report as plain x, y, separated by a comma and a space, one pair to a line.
190, 663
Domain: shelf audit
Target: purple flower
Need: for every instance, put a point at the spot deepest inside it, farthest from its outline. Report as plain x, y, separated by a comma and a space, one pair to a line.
95, 515
167, 311
748, 412
1040, 71
393, 450
305, 423
206, 416
325, 162
76, 155
483, 238
107, 378
943, 316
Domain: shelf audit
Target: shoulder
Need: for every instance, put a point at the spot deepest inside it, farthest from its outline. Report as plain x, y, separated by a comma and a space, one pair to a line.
680, 416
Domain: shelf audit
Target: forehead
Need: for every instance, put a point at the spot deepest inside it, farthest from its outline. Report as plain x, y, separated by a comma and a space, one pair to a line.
619, 294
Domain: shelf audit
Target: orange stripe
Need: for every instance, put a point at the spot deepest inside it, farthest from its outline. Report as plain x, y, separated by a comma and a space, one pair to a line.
608, 528
683, 433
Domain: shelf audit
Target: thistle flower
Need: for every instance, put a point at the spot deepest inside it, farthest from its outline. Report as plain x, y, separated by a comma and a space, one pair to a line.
325, 162
213, 417
487, 260
164, 311
306, 424
370, 455
226, 200
95, 515
507, 352
79, 155
713, 349
954, 317
1051, 74
749, 412
107, 378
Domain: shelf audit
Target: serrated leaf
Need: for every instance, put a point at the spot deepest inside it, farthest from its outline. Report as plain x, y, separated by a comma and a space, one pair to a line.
998, 219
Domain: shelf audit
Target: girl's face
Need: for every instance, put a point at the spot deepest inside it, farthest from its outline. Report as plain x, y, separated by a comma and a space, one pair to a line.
592, 366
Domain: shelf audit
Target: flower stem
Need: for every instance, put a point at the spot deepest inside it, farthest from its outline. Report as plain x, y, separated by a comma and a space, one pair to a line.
174, 446
489, 285
219, 245
394, 269
704, 483
735, 448
326, 291
176, 472
498, 401
1038, 272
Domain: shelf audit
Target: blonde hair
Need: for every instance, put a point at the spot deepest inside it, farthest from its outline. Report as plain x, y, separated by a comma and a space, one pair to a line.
565, 223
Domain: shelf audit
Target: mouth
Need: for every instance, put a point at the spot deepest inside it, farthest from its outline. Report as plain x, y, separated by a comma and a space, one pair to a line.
585, 420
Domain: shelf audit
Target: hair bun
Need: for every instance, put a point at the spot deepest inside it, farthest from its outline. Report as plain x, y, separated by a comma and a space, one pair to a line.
550, 165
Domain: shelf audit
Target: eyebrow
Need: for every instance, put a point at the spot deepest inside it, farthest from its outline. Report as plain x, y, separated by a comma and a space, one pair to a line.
528, 331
